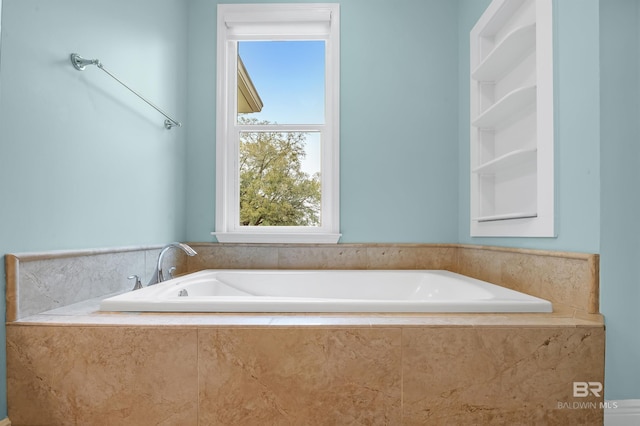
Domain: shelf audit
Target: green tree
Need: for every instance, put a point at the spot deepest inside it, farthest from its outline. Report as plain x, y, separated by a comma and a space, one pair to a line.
274, 191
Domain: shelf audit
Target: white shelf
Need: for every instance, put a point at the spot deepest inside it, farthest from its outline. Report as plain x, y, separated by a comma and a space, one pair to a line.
506, 216
507, 106
511, 116
506, 54
506, 161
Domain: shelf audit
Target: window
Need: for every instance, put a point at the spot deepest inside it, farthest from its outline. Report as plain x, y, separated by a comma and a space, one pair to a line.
277, 138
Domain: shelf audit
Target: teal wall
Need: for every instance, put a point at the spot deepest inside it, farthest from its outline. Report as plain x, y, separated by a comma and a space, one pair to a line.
84, 164
399, 132
399, 126
620, 163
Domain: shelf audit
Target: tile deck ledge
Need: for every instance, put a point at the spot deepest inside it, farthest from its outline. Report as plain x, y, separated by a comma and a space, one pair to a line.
88, 313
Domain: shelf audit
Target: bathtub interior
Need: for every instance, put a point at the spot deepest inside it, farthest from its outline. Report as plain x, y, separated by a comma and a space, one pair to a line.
378, 285
325, 291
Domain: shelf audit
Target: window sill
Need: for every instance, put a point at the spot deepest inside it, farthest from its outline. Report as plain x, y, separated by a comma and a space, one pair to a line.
272, 237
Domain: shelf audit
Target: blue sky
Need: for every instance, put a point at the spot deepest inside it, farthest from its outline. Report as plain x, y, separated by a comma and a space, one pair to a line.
289, 77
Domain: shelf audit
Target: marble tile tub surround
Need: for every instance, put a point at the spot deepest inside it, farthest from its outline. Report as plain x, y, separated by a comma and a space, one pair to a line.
82, 366
38, 282
397, 375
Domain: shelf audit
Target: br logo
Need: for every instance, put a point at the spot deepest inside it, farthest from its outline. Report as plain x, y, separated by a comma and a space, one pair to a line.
584, 389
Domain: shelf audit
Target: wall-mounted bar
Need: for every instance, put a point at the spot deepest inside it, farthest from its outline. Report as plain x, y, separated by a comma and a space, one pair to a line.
80, 64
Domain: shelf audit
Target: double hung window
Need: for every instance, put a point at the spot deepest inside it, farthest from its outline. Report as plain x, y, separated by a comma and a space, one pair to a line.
277, 137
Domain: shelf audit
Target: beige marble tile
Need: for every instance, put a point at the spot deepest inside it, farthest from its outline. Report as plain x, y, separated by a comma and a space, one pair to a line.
310, 320
322, 257
392, 257
479, 263
295, 377
567, 281
321, 320
101, 376
436, 257
304, 369
567, 278
232, 256
410, 256
499, 375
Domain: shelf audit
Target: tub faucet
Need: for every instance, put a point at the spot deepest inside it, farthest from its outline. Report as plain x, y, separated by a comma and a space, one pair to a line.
158, 276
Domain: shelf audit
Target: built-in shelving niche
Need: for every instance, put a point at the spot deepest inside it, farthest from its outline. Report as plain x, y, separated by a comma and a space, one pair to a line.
512, 183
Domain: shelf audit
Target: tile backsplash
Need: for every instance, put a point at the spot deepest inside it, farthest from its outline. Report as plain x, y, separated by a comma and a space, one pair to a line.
38, 282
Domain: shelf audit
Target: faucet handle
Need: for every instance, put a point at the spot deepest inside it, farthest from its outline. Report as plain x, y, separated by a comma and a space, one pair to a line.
138, 284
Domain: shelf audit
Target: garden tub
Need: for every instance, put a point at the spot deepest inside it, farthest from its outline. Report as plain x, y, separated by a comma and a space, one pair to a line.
325, 291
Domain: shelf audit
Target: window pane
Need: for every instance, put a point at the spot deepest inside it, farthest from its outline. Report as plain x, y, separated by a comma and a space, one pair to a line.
280, 179
283, 81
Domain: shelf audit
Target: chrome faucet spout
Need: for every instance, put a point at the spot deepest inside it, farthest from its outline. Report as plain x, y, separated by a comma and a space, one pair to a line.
158, 275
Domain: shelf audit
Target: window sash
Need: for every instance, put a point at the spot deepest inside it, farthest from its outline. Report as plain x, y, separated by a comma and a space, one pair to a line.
325, 196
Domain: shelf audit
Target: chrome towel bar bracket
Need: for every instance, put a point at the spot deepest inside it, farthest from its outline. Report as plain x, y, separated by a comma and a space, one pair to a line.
81, 63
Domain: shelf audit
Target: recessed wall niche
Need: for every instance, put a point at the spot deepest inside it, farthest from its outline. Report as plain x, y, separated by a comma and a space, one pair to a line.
512, 136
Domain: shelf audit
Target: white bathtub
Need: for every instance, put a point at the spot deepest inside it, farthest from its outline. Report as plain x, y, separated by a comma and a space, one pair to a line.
325, 291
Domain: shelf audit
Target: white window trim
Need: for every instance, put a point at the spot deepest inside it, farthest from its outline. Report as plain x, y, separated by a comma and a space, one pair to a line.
310, 21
